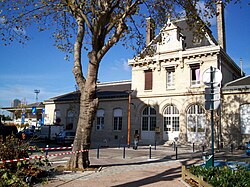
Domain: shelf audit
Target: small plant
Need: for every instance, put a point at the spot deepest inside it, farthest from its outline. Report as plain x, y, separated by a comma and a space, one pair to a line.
223, 176
21, 173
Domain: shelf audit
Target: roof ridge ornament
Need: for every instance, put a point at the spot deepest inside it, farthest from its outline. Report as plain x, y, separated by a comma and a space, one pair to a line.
169, 21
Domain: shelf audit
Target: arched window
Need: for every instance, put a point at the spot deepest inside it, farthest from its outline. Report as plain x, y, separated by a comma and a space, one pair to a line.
171, 118
148, 119
196, 118
70, 119
245, 118
57, 116
117, 119
100, 119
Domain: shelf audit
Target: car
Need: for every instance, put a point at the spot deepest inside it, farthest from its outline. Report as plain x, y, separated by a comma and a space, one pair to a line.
25, 134
65, 137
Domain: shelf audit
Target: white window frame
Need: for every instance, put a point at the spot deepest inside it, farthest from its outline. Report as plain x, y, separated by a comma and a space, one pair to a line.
117, 121
149, 117
195, 76
70, 117
171, 114
170, 77
100, 119
196, 118
57, 114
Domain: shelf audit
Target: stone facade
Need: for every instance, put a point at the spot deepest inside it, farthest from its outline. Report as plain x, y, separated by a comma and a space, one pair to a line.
177, 63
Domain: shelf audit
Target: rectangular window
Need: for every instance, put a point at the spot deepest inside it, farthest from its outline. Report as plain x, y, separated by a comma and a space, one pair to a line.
195, 75
245, 118
117, 123
100, 123
148, 79
170, 77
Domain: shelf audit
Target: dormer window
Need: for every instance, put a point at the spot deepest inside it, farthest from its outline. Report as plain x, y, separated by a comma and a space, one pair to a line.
195, 74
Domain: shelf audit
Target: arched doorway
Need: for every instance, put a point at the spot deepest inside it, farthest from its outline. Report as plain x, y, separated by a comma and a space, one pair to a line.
148, 123
196, 123
171, 124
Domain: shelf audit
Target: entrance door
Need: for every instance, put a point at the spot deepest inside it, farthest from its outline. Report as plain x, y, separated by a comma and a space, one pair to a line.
148, 124
196, 120
171, 127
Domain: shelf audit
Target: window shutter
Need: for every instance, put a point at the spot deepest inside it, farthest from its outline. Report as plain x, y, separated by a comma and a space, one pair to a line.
148, 80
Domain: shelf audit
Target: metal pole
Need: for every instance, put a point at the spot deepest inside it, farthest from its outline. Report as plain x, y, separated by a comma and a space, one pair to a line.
176, 153
193, 147
98, 152
47, 150
155, 144
212, 112
149, 151
129, 117
124, 151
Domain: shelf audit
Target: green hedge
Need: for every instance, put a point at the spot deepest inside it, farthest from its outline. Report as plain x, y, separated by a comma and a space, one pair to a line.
223, 176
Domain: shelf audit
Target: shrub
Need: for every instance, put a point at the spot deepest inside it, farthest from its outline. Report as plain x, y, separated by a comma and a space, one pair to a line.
223, 176
20, 173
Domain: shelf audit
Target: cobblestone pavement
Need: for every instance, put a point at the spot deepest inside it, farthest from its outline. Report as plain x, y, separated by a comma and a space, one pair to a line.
136, 169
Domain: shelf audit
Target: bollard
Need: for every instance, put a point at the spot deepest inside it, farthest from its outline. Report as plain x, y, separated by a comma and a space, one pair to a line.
193, 147
176, 156
232, 148
149, 151
97, 154
203, 148
47, 150
155, 144
124, 151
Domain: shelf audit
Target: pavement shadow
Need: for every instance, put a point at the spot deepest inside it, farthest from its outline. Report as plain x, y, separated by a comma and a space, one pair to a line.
170, 174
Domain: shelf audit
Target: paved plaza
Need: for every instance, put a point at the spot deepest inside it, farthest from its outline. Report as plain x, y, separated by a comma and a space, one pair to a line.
137, 168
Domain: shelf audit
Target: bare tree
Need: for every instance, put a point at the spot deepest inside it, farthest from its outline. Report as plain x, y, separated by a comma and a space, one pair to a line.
91, 27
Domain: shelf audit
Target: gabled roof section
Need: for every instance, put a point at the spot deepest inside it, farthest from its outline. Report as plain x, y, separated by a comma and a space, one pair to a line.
243, 82
175, 36
104, 90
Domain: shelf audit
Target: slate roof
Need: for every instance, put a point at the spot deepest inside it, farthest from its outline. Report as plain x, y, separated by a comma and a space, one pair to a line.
240, 83
104, 90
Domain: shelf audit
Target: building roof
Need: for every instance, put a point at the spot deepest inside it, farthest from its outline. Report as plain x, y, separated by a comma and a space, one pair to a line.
104, 90
38, 105
240, 83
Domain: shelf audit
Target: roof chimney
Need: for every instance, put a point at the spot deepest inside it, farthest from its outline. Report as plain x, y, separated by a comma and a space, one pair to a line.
221, 25
150, 30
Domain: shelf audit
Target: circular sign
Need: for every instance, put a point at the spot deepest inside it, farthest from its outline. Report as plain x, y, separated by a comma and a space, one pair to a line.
212, 73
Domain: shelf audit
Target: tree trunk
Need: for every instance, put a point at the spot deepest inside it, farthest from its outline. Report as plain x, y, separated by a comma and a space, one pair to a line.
88, 107
83, 133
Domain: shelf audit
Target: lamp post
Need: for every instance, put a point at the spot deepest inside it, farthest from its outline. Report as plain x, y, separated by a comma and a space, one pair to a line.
36, 92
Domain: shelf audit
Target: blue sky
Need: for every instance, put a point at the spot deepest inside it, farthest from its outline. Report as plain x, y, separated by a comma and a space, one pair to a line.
39, 65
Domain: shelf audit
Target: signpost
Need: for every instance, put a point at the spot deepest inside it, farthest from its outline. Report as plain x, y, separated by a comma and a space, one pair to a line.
212, 78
